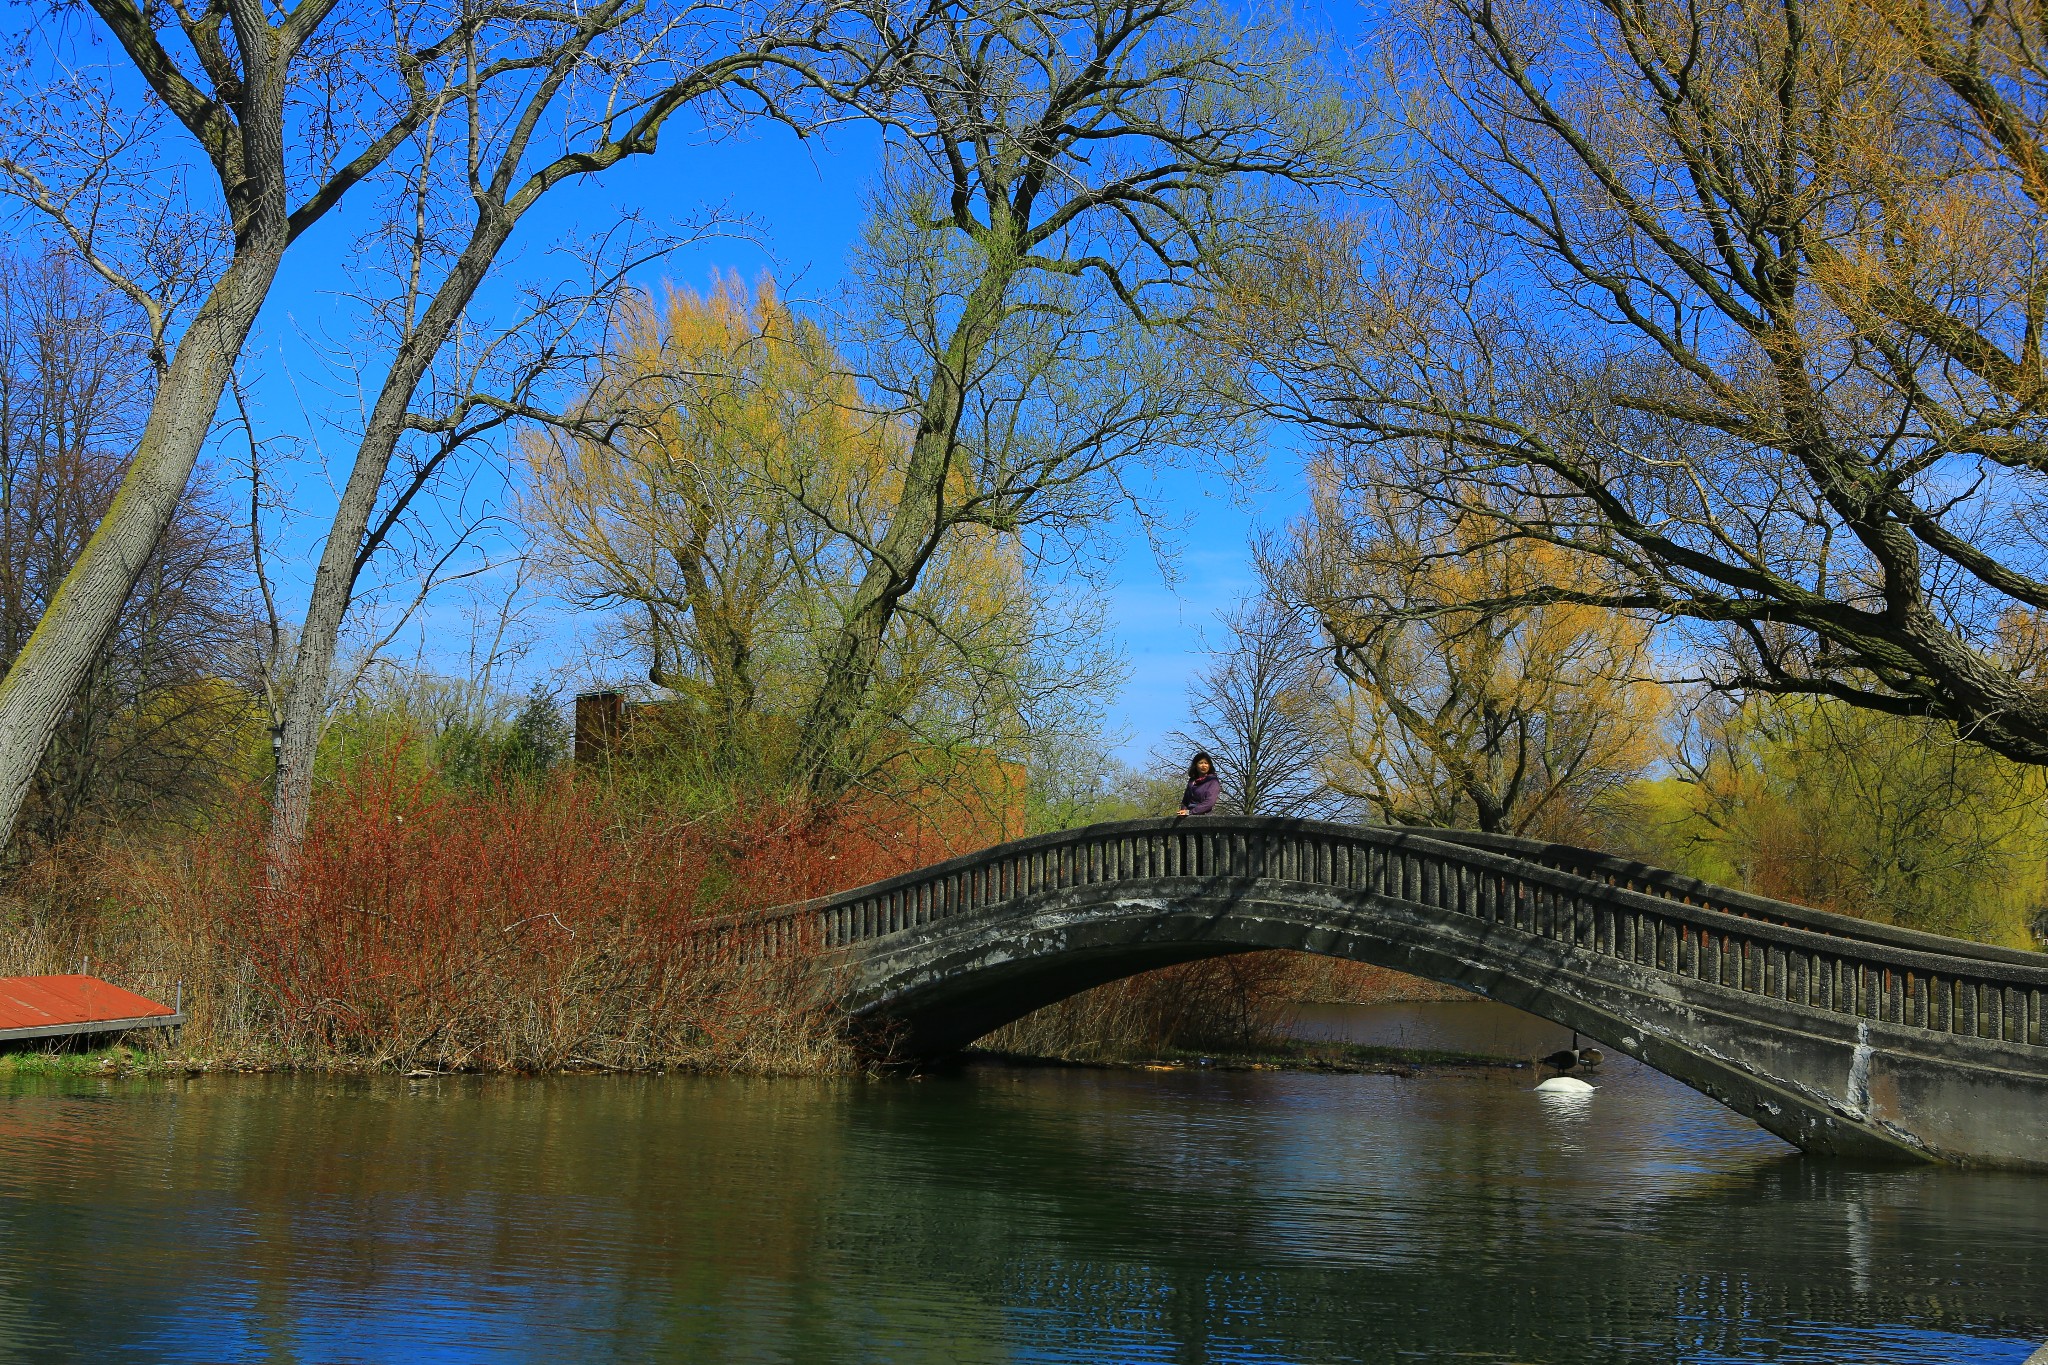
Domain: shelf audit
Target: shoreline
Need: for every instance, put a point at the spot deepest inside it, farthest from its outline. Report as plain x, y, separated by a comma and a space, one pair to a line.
1316, 1057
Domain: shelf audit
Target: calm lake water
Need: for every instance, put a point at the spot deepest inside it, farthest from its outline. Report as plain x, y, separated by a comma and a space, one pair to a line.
990, 1215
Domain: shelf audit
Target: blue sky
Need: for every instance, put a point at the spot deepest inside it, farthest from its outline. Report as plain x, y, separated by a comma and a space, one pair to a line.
802, 203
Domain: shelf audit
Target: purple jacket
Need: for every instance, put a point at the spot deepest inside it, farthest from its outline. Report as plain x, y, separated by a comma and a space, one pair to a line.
1200, 797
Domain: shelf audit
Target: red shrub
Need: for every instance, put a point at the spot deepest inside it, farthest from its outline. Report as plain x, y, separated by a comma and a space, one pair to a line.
526, 926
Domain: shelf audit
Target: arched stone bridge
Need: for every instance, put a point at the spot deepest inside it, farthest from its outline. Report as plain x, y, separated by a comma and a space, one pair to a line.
1844, 1037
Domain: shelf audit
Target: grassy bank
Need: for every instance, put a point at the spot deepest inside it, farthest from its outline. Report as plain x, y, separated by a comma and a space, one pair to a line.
118, 1059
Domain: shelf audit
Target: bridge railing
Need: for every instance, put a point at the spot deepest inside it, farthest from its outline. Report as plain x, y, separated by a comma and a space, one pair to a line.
1798, 956
1656, 881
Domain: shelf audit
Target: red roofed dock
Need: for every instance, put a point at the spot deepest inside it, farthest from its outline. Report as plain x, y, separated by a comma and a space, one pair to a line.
57, 1006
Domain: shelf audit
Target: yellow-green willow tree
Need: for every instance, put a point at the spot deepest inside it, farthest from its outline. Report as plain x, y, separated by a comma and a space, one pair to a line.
721, 487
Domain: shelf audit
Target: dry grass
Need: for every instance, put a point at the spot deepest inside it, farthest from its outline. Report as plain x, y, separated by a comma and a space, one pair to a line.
1244, 1003
1335, 981
524, 928
1238, 1003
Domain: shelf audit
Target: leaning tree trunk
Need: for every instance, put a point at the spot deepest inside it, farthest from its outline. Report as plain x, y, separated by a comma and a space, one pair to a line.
304, 705
48, 671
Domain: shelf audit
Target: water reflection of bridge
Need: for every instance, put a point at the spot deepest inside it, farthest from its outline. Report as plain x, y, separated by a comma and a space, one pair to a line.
1845, 1037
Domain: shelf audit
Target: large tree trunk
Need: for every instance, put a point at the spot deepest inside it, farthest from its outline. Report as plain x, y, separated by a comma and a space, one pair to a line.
48, 671
304, 705
83, 612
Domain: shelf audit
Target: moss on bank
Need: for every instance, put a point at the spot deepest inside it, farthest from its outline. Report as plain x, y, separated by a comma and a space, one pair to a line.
119, 1059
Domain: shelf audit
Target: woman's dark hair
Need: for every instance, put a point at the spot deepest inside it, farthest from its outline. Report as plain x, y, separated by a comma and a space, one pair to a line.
1200, 758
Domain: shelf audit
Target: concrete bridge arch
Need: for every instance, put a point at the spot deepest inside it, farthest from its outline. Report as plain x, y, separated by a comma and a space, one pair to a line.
1846, 1038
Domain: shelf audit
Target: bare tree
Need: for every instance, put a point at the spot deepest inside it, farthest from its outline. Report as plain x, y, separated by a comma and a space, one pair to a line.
1068, 175
290, 110
1743, 303
601, 90
1264, 710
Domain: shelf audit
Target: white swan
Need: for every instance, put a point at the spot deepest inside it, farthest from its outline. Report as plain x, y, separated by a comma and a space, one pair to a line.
1564, 1085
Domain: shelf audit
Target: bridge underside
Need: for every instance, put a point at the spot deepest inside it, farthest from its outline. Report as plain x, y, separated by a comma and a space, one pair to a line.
1830, 1083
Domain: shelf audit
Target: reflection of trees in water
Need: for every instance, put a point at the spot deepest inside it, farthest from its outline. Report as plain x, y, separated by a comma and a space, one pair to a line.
1068, 1213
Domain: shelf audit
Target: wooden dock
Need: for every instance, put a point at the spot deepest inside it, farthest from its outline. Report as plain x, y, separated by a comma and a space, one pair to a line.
60, 1006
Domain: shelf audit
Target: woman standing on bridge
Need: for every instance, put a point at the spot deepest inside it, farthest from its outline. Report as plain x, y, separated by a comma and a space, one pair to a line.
1203, 787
